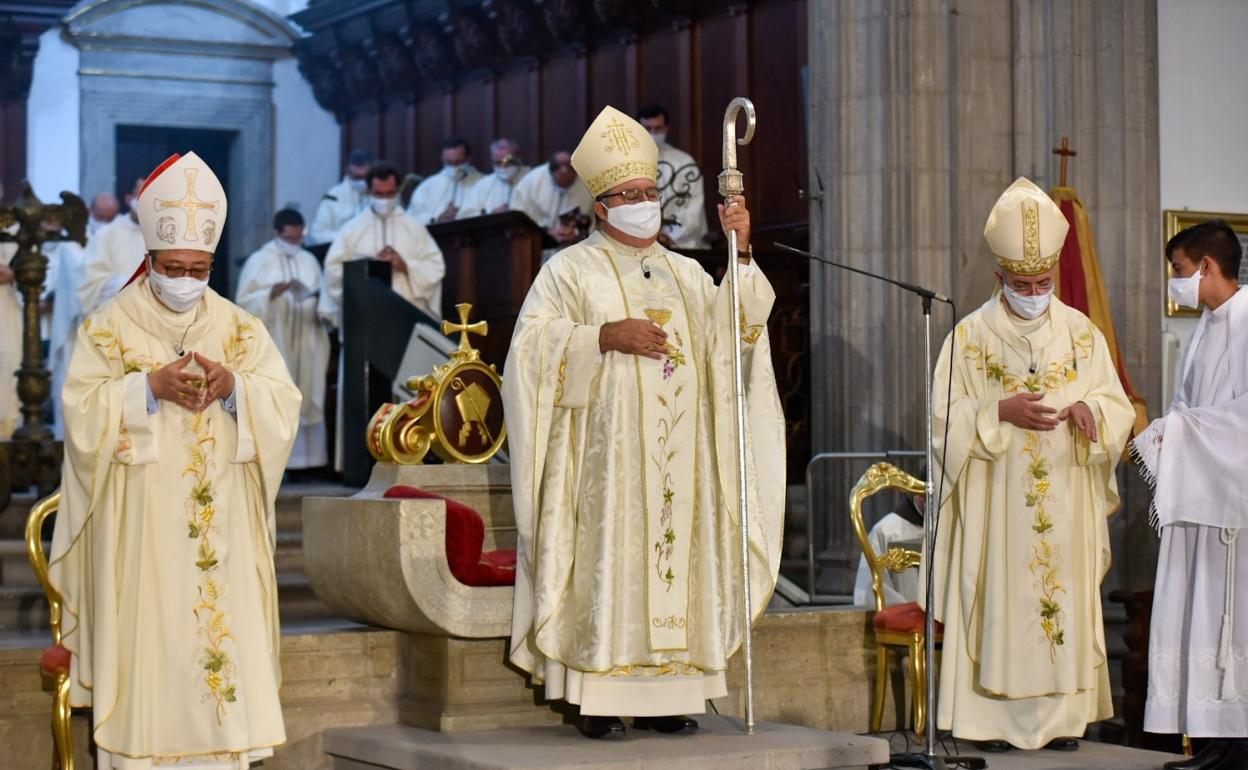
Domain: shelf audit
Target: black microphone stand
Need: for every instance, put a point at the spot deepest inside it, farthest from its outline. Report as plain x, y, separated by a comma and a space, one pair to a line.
927, 759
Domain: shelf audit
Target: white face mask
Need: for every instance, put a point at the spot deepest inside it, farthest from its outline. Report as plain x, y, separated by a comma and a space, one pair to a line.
360, 186
507, 173
640, 220
287, 248
660, 138
1029, 307
454, 172
1185, 291
383, 207
177, 294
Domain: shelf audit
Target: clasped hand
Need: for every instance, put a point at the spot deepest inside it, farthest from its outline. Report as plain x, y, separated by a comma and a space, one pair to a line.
637, 336
388, 254
1025, 411
192, 391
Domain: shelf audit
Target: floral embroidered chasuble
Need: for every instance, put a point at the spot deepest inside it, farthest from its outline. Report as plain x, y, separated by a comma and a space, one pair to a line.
164, 542
1024, 539
623, 476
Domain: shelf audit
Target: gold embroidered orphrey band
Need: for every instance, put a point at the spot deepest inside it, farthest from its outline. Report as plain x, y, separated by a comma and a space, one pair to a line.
1032, 262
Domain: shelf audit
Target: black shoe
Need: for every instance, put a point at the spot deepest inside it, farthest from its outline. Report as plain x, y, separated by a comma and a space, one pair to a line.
994, 746
1210, 756
600, 728
1063, 744
1236, 756
676, 724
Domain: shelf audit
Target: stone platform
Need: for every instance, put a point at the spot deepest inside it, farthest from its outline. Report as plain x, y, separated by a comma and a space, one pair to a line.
1101, 756
720, 744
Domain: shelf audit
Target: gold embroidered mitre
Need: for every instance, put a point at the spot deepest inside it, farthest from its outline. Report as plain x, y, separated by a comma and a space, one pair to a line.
1025, 229
182, 206
615, 149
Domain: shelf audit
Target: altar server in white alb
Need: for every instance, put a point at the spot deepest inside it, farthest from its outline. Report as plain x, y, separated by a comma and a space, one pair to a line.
620, 414
553, 198
179, 417
111, 256
680, 179
492, 194
344, 200
1196, 457
440, 197
280, 284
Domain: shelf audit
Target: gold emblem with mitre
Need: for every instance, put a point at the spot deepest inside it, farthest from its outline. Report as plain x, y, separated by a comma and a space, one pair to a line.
458, 410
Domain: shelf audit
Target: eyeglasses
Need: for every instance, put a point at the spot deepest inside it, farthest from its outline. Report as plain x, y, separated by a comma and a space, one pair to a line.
634, 195
177, 271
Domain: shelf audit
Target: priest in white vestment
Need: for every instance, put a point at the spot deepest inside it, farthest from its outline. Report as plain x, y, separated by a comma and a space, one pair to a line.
493, 192
680, 179
1026, 481
113, 253
552, 197
382, 232
280, 284
10, 341
439, 197
179, 416
1196, 457
620, 412
343, 201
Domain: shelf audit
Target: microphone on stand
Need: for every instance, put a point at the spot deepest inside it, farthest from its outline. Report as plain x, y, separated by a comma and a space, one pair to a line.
910, 287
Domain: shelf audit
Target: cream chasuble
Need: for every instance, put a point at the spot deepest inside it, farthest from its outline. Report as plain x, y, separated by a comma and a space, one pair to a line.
1024, 539
10, 347
300, 337
163, 547
628, 587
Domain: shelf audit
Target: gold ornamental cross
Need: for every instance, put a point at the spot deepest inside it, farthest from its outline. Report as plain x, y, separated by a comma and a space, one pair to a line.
190, 204
463, 328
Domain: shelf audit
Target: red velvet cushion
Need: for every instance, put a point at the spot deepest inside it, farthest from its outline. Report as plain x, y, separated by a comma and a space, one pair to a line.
905, 618
465, 533
54, 660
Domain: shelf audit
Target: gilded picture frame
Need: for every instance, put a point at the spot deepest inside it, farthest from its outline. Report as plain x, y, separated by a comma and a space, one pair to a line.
1177, 220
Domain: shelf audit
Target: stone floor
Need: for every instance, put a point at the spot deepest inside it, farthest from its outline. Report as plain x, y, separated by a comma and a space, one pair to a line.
720, 744
1101, 756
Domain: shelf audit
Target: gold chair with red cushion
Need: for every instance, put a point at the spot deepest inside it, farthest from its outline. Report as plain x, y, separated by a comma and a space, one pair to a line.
901, 626
54, 663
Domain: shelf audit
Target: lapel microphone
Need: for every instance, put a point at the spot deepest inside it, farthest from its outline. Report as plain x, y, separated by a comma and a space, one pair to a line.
644, 269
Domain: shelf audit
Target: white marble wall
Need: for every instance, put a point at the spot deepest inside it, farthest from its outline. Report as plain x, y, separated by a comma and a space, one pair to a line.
922, 112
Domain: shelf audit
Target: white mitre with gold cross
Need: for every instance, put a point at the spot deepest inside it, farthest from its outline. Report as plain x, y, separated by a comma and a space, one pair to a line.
1026, 229
182, 206
615, 149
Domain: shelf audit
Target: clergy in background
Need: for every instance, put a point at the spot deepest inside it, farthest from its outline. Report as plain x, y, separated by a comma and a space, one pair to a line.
439, 197
280, 284
1195, 456
1036, 426
552, 197
179, 416
492, 193
344, 200
66, 264
620, 413
384, 233
104, 209
680, 179
112, 254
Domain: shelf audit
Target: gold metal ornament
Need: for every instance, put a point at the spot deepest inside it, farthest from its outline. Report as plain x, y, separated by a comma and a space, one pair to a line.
458, 412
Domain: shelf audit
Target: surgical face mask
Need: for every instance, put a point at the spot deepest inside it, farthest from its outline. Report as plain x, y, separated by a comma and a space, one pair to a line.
177, 294
640, 220
454, 172
360, 186
660, 138
1185, 291
507, 173
383, 207
287, 248
1029, 307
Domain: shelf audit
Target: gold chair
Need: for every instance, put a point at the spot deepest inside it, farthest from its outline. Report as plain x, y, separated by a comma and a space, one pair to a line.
900, 626
54, 663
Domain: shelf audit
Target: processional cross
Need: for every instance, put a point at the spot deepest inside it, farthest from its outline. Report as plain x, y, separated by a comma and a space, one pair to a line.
1066, 154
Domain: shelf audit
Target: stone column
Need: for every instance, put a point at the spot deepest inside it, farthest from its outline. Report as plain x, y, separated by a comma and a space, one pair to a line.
921, 113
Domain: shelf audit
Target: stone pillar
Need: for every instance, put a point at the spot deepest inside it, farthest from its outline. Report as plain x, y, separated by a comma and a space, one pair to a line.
921, 113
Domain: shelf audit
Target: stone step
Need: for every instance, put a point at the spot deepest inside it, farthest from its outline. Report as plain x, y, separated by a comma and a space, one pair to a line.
719, 744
